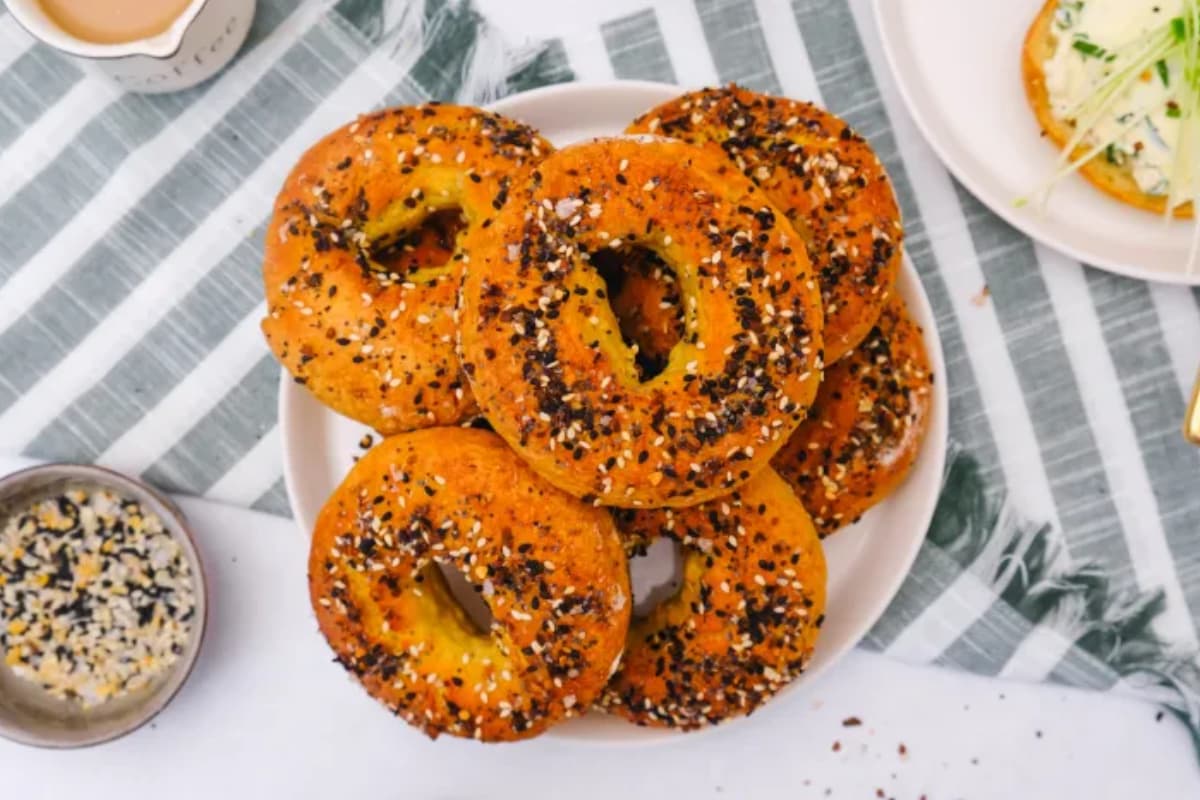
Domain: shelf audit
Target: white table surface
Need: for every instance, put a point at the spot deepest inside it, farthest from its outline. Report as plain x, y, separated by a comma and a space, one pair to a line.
268, 714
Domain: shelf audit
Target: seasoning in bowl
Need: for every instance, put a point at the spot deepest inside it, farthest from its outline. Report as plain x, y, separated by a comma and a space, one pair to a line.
97, 598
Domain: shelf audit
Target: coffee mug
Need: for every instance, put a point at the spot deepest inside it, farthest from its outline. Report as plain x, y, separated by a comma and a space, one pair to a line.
197, 45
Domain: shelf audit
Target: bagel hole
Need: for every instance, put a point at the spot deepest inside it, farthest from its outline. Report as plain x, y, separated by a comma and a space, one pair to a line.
655, 575
479, 423
428, 246
467, 597
624, 268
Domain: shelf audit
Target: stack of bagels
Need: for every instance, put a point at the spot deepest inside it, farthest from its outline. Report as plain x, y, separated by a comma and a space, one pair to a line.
688, 332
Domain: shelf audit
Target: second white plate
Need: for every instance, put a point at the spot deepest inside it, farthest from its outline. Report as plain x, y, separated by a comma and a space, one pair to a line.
867, 563
958, 66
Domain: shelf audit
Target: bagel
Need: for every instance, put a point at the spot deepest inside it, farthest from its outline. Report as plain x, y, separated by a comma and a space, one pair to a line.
1114, 179
550, 569
543, 352
869, 419
867, 425
823, 176
363, 323
743, 623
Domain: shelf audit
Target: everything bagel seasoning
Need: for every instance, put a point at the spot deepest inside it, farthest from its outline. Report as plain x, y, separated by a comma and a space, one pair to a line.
96, 597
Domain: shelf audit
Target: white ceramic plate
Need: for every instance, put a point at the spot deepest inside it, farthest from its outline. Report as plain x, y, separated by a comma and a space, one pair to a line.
867, 562
958, 66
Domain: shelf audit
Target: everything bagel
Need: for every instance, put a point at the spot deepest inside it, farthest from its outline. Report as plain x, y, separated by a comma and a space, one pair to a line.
745, 620
867, 424
825, 179
550, 569
358, 312
543, 350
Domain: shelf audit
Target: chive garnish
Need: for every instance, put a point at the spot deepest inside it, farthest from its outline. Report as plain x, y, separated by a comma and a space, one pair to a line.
1089, 49
1163, 72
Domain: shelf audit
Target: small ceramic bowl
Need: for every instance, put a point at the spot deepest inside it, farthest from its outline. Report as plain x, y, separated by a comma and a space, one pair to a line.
27, 713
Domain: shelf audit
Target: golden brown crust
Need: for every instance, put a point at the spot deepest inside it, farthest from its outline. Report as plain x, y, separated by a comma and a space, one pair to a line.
375, 341
745, 619
543, 350
550, 568
866, 426
823, 176
1115, 181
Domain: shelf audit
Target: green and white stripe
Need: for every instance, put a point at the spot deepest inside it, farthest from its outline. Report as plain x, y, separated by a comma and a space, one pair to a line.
1066, 545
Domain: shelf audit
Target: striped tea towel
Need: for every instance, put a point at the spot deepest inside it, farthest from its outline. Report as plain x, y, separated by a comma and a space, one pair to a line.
1067, 543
